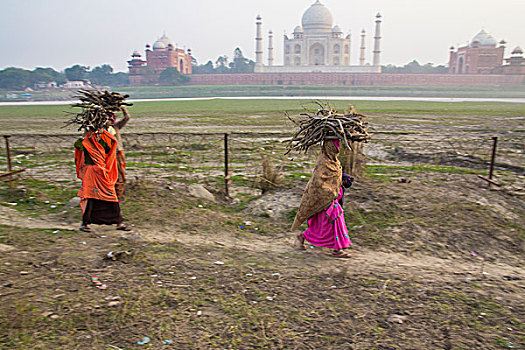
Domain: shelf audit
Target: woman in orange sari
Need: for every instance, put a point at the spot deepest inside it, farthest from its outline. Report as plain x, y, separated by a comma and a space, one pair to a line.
96, 165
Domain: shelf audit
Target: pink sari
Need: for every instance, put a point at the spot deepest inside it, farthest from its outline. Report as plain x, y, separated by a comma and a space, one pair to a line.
327, 228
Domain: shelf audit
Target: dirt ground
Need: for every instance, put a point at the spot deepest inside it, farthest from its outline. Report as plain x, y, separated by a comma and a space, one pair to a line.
437, 256
443, 269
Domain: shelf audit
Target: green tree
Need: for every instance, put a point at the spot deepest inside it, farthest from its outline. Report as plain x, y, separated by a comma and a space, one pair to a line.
171, 76
205, 68
14, 79
221, 65
46, 75
101, 75
415, 67
119, 79
77, 72
240, 63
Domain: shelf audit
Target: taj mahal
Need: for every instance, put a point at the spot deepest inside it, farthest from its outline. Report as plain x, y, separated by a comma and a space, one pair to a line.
317, 45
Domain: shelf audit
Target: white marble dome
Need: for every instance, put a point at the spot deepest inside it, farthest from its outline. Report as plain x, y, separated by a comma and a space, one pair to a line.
483, 38
166, 40
317, 16
298, 29
336, 29
159, 45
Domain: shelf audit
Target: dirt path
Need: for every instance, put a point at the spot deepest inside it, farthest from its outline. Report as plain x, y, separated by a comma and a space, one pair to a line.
416, 265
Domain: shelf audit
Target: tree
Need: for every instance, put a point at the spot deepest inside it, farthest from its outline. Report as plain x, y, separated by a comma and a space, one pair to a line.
14, 79
171, 76
101, 75
46, 75
221, 64
120, 79
415, 67
205, 68
77, 72
240, 63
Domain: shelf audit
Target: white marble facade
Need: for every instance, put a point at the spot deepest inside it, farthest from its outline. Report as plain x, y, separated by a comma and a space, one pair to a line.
316, 46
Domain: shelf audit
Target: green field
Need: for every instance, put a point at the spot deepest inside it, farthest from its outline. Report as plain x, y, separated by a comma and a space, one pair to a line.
294, 90
436, 256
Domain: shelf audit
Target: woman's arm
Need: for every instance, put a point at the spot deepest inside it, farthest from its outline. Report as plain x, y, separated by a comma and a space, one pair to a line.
122, 122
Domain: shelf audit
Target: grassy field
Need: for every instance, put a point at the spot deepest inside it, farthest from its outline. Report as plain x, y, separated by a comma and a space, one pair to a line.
437, 255
292, 90
178, 115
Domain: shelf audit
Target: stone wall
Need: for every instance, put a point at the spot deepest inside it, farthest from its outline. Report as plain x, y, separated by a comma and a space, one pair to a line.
357, 79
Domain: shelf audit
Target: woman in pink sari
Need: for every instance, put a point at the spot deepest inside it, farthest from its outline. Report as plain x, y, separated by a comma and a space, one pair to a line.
328, 229
321, 206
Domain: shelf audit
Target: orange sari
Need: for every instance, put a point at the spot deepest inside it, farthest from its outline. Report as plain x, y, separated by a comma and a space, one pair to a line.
99, 173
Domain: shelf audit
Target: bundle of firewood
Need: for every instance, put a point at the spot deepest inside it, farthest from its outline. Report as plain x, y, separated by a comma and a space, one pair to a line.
98, 107
327, 124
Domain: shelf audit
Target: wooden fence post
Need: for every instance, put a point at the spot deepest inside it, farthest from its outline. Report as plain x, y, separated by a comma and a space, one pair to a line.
9, 165
226, 172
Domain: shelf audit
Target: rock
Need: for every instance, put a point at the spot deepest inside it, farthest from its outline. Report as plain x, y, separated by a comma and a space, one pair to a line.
275, 204
6, 248
114, 303
24, 273
397, 318
73, 202
132, 236
199, 191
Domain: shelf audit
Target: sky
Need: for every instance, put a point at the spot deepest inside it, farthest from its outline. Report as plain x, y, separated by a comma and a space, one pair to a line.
62, 33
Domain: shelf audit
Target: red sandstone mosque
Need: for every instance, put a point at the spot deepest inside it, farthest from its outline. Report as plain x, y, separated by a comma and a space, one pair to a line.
163, 55
483, 56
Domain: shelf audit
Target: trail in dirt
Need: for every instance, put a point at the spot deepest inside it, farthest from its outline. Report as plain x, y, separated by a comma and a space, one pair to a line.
364, 260
11, 217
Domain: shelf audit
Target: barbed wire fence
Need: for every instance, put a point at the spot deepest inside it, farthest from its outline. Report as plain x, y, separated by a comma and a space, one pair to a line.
200, 156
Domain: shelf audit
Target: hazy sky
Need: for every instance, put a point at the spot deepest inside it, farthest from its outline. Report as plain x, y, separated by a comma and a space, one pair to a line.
61, 33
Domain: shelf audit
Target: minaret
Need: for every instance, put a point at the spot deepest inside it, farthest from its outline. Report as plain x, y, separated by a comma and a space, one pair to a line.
377, 40
270, 48
362, 54
258, 46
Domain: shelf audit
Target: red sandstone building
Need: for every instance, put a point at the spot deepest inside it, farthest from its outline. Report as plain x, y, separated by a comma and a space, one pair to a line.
163, 55
481, 56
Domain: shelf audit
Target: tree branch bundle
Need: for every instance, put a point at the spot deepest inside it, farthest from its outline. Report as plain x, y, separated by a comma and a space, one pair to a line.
327, 124
98, 107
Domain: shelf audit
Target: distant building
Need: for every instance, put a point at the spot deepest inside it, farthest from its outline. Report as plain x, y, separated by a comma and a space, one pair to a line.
161, 55
317, 45
75, 84
481, 56
50, 85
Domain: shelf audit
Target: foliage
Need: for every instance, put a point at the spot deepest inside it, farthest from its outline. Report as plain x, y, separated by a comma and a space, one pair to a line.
171, 76
19, 79
240, 64
415, 67
77, 72
14, 79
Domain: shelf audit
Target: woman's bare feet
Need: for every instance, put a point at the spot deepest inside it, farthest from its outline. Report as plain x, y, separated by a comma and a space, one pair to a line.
300, 241
340, 254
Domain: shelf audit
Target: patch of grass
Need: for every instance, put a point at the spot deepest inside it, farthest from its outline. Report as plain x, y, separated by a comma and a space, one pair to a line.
37, 197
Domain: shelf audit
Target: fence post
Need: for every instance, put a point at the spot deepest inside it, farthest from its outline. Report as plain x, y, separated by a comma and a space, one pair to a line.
226, 172
493, 157
9, 165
